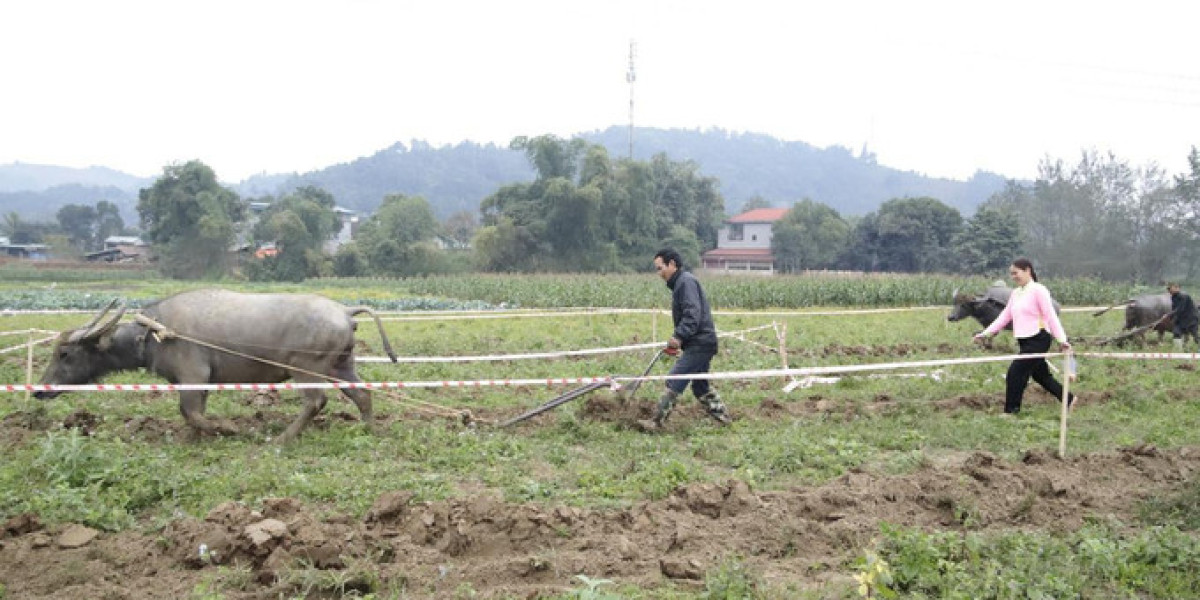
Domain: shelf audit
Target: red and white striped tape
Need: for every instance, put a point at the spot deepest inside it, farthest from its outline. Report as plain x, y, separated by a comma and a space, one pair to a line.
256, 387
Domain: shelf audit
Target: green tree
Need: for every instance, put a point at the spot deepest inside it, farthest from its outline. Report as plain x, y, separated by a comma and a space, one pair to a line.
810, 235
754, 202
78, 222
1187, 188
908, 235
189, 219
1186, 217
684, 241
395, 238
108, 221
349, 261
990, 241
684, 197
611, 217
1102, 218
19, 231
460, 227
628, 207
550, 155
506, 247
298, 224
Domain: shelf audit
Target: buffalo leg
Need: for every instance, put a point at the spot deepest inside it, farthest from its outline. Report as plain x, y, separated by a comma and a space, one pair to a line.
314, 401
191, 405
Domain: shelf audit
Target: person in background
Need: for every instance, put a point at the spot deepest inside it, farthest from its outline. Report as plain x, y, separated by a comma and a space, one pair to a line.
695, 336
1183, 313
1035, 324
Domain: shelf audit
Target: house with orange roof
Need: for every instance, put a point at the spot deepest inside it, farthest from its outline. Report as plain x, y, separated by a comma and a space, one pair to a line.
744, 242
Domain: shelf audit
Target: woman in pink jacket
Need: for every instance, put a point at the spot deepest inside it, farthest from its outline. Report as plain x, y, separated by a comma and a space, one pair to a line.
1035, 324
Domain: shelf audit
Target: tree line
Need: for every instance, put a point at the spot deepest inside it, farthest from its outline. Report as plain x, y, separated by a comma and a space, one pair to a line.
586, 211
1101, 218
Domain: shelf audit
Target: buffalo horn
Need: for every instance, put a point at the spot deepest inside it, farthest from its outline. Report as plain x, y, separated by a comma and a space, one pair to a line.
97, 328
100, 315
954, 294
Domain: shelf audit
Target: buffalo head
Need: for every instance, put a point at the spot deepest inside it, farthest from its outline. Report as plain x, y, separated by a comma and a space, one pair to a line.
964, 307
82, 355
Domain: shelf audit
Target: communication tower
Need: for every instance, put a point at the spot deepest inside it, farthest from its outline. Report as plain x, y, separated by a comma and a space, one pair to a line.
631, 77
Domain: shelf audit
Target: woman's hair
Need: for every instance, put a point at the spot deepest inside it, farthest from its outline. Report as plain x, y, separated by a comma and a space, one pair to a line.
1025, 264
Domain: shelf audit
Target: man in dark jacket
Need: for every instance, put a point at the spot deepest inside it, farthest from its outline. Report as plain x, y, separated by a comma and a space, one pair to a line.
1183, 314
694, 335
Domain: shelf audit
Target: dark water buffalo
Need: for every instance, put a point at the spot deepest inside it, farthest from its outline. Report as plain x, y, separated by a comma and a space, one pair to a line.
311, 338
1146, 310
983, 307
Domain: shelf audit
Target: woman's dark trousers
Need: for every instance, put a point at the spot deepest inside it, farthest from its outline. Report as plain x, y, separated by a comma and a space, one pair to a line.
1021, 370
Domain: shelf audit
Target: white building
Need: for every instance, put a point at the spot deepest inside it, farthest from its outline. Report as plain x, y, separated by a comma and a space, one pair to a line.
347, 227
744, 242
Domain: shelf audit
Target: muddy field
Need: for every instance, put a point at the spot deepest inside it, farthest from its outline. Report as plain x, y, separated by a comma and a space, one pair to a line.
802, 537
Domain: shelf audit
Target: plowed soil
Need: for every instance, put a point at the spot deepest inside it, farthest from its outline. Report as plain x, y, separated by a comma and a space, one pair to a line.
801, 536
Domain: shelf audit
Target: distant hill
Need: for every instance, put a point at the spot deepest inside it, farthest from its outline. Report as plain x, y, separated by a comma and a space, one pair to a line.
36, 192
24, 177
42, 206
751, 164
451, 178
458, 177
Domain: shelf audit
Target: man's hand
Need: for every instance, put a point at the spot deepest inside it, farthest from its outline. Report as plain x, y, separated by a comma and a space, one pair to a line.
672, 348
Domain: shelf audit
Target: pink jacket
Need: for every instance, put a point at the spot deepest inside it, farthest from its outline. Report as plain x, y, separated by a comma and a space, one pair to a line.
1029, 309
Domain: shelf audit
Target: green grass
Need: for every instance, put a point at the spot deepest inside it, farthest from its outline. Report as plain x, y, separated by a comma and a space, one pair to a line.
1097, 561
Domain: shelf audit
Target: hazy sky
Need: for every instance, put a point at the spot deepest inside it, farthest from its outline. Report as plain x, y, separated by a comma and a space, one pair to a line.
248, 86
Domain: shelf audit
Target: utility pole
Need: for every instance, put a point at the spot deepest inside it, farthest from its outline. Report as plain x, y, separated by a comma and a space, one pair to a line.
631, 77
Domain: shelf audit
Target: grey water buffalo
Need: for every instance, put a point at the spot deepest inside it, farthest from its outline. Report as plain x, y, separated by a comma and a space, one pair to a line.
220, 336
1147, 311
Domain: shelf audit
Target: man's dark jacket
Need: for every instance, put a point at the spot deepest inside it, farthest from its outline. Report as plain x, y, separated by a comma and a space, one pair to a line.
1183, 310
690, 311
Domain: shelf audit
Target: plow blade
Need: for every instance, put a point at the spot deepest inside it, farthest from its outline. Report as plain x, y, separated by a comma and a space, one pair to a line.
563, 399
632, 389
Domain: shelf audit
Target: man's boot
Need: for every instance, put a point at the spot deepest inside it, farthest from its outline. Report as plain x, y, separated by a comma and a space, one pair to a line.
666, 403
715, 408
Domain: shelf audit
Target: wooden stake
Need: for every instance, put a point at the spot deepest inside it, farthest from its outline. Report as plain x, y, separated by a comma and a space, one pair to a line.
782, 333
28, 364
1068, 372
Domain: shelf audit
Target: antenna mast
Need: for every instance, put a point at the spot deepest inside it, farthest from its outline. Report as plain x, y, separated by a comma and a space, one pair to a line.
631, 77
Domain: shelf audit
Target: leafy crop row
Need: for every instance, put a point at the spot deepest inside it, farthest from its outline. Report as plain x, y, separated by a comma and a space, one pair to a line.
737, 292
